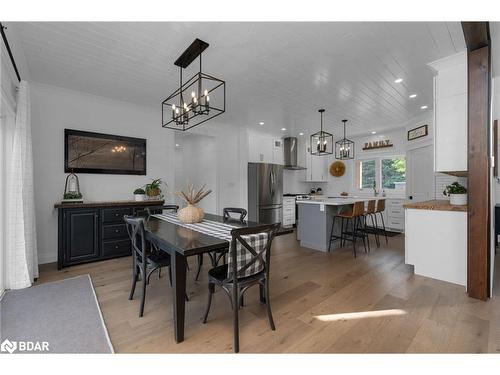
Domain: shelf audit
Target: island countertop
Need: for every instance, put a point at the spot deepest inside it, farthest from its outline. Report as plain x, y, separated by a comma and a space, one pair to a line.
338, 201
436, 205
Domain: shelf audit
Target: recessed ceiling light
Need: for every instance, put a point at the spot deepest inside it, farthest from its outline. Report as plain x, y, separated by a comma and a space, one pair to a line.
398, 80
412, 96
374, 132
283, 129
301, 133
423, 107
177, 145
261, 123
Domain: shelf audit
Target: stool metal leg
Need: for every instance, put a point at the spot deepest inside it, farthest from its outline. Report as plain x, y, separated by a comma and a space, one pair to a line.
383, 226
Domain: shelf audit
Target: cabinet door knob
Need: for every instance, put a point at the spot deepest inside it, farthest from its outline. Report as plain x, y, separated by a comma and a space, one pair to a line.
116, 230
116, 247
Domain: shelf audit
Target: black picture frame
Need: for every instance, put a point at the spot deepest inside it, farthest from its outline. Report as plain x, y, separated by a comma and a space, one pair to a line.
131, 141
426, 133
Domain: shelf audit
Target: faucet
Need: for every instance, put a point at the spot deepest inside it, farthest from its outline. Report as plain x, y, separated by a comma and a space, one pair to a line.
375, 192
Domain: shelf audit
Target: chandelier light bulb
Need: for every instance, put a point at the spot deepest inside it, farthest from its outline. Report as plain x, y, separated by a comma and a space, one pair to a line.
173, 107
193, 95
205, 93
208, 98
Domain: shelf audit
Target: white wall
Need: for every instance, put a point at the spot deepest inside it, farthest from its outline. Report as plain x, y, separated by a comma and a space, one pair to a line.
52, 110
196, 163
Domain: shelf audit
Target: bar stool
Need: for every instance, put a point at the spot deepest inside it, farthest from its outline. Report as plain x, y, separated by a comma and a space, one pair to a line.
380, 209
370, 212
355, 217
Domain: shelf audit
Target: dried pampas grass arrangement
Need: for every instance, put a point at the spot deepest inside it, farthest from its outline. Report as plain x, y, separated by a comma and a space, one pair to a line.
192, 214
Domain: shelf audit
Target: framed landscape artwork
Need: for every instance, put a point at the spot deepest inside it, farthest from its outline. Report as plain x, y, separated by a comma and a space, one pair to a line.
87, 152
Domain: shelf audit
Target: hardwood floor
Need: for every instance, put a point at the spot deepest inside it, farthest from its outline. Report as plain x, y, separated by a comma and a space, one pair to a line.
321, 303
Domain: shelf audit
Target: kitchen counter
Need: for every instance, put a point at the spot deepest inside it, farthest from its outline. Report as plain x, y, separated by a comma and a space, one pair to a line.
437, 205
436, 240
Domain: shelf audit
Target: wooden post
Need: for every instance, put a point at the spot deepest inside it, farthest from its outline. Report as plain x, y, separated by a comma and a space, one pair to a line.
478, 242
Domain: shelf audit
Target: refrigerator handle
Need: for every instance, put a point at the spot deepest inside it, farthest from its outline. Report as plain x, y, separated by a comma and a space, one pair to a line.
273, 181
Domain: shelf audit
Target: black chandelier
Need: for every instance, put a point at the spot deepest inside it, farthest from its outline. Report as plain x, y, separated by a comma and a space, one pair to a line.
321, 142
197, 100
344, 149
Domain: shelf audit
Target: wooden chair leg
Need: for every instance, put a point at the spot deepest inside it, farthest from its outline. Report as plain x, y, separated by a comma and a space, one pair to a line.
211, 290
268, 307
143, 298
134, 282
262, 297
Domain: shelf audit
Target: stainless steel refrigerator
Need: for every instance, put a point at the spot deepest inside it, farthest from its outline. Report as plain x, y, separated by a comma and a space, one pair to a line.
265, 192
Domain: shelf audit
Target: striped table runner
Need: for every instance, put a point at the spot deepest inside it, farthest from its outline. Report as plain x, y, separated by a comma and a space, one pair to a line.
223, 231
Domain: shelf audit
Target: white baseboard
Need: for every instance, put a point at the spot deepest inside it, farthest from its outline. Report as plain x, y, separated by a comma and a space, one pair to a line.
46, 258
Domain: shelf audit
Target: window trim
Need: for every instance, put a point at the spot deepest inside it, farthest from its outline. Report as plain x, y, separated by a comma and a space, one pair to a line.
378, 174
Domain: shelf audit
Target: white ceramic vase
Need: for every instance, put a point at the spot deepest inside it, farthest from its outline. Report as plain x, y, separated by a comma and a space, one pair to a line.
140, 197
190, 214
458, 199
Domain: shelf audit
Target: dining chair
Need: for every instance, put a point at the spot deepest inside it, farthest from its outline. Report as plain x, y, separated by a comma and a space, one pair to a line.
227, 211
146, 258
217, 255
248, 265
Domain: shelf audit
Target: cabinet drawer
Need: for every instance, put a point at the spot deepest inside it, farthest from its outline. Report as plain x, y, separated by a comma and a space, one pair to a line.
394, 203
115, 248
114, 231
395, 212
396, 223
115, 215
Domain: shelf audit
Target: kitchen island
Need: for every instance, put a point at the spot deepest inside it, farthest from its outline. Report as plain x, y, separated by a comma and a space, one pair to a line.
315, 221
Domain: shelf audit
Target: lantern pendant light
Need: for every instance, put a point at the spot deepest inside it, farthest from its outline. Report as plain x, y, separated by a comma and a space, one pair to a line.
344, 149
321, 142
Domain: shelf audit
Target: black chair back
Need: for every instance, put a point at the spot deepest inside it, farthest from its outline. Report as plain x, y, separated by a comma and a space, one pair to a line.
229, 210
250, 250
171, 207
137, 234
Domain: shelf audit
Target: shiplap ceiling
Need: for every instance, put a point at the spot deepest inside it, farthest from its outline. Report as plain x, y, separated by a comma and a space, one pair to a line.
278, 73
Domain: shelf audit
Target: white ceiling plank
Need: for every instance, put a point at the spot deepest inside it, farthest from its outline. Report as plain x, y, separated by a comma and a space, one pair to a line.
279, 73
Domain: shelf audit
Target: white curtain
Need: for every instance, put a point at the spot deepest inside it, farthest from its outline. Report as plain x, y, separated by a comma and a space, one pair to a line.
21, 251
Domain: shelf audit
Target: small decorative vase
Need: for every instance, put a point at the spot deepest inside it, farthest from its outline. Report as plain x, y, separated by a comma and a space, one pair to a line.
458, 199
140, 197
190, 214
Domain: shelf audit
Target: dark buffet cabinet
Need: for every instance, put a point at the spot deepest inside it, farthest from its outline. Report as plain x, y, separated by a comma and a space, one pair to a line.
89, 232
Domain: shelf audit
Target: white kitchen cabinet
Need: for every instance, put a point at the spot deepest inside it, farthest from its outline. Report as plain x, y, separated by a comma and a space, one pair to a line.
263, 148
288, 211
316, 167
450, 113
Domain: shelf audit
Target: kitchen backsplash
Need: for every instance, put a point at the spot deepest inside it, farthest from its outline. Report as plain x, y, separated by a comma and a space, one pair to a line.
442, 180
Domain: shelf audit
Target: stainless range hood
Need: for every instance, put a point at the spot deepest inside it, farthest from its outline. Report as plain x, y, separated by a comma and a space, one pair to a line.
290, 145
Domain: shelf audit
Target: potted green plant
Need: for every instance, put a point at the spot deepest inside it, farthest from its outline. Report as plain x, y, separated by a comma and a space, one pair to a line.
153, 189
139, 194
457, 194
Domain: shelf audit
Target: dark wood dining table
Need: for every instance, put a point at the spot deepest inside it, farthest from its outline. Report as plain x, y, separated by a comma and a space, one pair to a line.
181, 242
